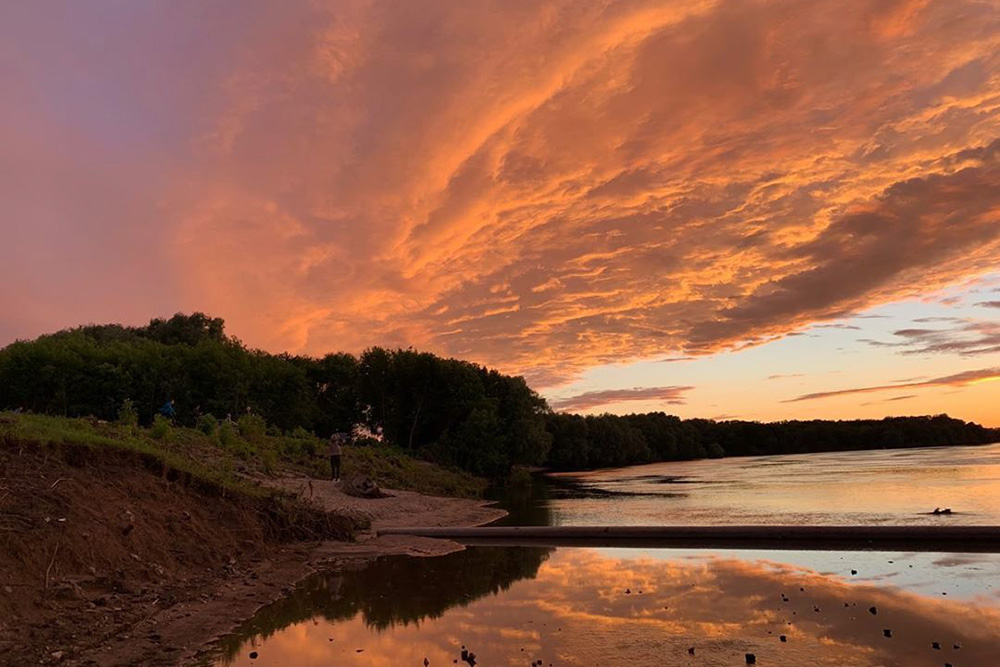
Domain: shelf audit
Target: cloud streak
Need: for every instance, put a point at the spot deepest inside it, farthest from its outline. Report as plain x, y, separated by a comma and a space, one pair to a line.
969, 338
673, 395
963, 379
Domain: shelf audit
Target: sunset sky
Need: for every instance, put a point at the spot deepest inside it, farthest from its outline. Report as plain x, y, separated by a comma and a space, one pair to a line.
733, 208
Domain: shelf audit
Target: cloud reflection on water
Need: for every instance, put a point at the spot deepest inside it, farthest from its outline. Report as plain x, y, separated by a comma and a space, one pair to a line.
576, 611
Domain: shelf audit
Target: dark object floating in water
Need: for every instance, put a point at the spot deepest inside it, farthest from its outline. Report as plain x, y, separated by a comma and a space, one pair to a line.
628, 591
854, 571
936, 646
783, 638
253, 655
468, 656
691, 650
938, 510
751, 659
873, 610
887, 633
956, 646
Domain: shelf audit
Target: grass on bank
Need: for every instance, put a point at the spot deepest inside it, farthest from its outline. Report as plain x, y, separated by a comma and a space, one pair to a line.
233, 456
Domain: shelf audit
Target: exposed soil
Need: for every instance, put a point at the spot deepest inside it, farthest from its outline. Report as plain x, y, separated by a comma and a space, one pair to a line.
108, 559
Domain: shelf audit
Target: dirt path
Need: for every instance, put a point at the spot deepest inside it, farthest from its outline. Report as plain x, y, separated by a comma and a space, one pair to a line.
402, 508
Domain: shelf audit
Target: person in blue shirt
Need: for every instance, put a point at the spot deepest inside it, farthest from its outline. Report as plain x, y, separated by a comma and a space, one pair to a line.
168, 410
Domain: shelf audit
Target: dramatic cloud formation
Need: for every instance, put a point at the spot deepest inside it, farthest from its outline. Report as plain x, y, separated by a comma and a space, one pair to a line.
957, 380
541, 186
594, 399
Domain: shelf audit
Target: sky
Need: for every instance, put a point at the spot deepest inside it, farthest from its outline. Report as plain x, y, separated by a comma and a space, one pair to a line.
733, 209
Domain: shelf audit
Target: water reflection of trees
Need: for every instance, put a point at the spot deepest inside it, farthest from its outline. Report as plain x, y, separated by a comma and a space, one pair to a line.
394, 590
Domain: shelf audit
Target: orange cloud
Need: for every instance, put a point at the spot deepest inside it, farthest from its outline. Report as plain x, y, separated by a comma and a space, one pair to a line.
564, 184
541, 186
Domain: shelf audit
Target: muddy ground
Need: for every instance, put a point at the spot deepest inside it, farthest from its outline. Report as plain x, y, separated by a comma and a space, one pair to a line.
112, 562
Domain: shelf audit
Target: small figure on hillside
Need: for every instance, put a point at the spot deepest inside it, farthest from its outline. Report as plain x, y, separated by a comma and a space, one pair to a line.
337, 441
168, 410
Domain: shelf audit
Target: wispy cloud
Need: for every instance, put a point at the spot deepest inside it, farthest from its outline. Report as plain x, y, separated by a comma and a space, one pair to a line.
673, 395
957, 380
969, 338
989, 304
782, 376
891, 400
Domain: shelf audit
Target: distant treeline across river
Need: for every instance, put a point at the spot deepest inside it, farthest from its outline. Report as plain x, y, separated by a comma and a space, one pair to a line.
450, 411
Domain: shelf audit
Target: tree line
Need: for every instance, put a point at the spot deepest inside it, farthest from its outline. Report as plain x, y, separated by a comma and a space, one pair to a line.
583, 443
450, 411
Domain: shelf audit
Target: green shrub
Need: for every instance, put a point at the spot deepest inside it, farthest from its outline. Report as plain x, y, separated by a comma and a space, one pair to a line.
274, 431
227, 434
160, 428
127, 414
269, 459
207, 424
252, 427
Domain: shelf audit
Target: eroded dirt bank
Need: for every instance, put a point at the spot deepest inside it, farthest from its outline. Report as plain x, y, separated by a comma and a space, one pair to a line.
107, 560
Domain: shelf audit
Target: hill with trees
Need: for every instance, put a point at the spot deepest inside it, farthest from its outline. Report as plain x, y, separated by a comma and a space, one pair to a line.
449, 411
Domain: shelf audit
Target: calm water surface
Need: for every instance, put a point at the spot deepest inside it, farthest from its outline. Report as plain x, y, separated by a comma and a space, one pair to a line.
841, 488
576, 606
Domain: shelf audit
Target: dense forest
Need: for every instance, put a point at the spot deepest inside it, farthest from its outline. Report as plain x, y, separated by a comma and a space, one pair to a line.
450, 411
581, 443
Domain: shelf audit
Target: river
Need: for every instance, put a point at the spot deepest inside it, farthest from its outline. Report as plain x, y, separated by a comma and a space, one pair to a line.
582, 606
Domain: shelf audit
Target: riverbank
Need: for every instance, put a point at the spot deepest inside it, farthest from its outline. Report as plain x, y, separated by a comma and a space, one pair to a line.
118, 548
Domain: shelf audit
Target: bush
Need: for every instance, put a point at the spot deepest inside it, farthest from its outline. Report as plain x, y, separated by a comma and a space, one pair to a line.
269, 459
252, 427
714, 450
207, 424
160, 428
227, 434
127, 414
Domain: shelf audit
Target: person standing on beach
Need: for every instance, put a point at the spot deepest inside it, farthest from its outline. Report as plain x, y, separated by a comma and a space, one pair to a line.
337, 441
